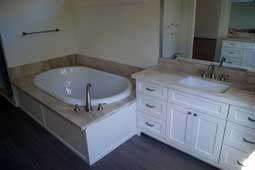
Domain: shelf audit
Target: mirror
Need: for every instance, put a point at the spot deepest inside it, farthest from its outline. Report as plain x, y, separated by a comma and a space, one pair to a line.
210, 30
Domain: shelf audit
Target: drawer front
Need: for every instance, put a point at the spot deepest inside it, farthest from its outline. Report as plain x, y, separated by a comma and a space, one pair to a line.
151, 126
233, 44
232, 52
240, 137
233, 61
232, 159
250, 46
242, 116
206, 106
152, 90
151, 106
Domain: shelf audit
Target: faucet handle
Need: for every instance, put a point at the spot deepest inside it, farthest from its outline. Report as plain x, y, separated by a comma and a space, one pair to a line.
223, 78
77, 108
100, 106
203, 74
213, 75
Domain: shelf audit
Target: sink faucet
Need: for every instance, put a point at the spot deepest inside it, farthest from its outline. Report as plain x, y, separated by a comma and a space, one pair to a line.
88, 106
222, 60
211, 71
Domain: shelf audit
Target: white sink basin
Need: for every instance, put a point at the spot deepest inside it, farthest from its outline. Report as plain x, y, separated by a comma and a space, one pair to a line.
204, 85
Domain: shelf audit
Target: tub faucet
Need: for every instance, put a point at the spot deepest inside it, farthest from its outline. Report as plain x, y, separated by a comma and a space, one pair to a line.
88, 106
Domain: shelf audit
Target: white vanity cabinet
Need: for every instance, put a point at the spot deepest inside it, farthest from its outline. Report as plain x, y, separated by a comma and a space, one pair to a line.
190, 123
238, 54
207, 134
179, 124
194, 131
238, 151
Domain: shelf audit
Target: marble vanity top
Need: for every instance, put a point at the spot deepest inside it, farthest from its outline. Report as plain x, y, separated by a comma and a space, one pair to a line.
82, 119
241, 39
239, 95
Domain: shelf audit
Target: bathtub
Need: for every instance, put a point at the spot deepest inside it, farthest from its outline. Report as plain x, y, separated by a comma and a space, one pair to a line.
68, 84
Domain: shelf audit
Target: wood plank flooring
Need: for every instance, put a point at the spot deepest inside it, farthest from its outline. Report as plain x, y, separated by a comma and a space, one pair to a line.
24, 145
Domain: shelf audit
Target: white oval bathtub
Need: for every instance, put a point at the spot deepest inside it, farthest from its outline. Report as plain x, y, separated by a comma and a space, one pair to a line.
68, 84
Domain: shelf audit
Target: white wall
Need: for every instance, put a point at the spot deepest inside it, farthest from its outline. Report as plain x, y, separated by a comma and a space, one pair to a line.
17, 16
126, 34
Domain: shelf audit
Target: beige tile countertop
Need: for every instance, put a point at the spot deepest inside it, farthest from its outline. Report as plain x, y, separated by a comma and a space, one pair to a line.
240, 39
82, 119
239, 95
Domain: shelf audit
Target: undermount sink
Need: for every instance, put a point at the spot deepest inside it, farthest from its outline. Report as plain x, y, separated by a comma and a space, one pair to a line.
204, 85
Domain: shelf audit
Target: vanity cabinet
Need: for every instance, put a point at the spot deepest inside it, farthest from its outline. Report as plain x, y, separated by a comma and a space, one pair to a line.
199, 133
238, 151
179, 124
238, 54
187, 122
207, 134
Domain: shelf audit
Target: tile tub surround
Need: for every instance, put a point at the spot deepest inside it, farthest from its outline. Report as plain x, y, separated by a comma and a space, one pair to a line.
41, 66
73, 60
170, 79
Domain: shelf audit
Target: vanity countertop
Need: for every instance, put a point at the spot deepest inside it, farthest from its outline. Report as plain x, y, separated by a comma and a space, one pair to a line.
238, 95
241, 39
82, 119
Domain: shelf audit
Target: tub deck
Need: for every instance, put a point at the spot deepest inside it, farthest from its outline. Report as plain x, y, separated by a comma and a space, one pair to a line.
81, 119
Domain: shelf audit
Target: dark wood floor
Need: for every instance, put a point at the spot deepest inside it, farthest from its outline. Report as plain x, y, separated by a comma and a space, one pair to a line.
24, 145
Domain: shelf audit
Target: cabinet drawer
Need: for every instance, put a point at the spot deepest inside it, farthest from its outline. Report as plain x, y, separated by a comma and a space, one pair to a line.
242, 116
232, 52
204, 105
151, 126
233, 61
240, 137
152, 90
151, 106
250, 46
233, 44
232, 159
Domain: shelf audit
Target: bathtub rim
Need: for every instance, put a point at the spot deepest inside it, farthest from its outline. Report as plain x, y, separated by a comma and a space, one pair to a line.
66, 99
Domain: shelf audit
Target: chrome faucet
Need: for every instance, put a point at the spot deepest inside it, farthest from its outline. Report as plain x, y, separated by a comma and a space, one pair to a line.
176, 55
211, 71
222, 60
88, 105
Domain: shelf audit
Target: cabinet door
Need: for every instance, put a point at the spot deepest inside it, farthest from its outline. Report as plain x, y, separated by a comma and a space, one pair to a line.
179, 121
207, 136
249, 58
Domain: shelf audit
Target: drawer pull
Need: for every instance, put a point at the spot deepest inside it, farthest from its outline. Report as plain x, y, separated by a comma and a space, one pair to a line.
189, 113
240, 164
231, 53
150, 106
149, 124
232, 43
247, 141
250, 119
150, 90
195, 115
